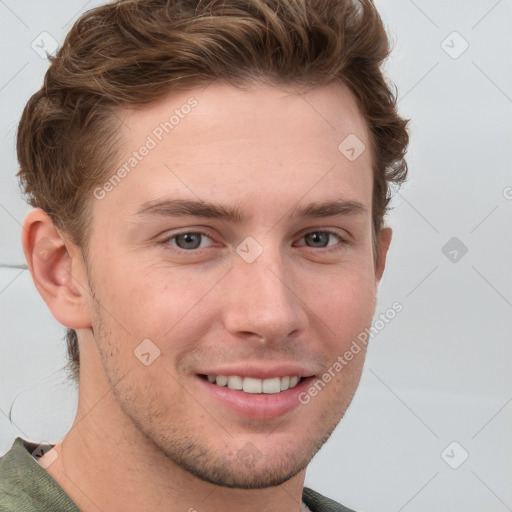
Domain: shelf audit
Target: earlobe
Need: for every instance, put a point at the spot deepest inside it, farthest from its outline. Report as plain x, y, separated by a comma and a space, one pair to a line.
383, 242
57, 269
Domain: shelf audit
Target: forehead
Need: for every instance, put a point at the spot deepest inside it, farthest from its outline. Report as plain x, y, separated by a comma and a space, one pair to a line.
324, 114
262, 142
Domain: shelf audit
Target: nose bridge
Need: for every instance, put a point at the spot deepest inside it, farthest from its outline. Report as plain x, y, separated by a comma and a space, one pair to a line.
260, 299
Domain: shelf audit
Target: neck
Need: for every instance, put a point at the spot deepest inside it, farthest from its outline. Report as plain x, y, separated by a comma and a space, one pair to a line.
106, 463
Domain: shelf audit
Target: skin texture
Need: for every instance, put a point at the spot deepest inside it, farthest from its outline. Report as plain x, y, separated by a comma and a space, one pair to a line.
150, 437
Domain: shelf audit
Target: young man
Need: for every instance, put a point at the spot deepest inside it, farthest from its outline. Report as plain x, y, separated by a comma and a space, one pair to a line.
210, 182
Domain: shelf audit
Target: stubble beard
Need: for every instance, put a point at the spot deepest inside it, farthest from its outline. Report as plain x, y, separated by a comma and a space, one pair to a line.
242, 468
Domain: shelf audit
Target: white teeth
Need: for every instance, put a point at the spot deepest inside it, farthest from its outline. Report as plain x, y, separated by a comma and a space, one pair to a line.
222, 380
235, 382
271, 385
252, 385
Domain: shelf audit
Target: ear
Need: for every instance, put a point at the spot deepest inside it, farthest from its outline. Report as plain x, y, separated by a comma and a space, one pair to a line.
383, 241
57, 269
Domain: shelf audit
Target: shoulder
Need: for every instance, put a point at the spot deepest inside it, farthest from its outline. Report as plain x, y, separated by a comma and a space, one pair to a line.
25, 486
316, 502
11, 478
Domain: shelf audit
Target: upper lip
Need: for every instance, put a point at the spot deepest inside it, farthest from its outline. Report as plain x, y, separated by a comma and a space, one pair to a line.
260, 372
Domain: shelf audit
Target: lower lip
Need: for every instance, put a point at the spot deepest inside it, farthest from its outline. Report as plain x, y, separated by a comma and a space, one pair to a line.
257, 405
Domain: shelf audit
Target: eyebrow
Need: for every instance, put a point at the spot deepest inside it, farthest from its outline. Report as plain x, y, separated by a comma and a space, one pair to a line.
186, 207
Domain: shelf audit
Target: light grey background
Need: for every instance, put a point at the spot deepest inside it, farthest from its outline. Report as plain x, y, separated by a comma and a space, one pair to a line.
440, 371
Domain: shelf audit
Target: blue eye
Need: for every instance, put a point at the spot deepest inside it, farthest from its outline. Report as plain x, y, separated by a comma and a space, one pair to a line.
321, 239
189, 241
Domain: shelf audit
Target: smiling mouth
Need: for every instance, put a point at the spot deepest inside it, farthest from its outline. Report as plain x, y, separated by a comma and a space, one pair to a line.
254, 386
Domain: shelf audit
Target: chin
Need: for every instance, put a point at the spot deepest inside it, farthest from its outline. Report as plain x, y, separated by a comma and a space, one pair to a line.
245, 472
250, 467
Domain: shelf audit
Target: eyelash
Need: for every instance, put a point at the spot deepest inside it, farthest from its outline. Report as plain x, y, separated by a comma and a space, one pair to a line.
335, 247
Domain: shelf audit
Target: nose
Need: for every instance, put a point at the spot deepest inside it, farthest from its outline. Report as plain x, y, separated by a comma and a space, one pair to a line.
260, 301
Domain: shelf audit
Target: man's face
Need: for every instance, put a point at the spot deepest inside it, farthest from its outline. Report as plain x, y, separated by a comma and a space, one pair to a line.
278, 288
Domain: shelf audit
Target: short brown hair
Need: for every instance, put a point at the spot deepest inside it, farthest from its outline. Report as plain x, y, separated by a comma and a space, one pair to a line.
134, 52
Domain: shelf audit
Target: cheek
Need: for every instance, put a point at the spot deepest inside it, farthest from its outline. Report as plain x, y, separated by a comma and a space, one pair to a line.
353, 306
345, 300
344, 314
158, 302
